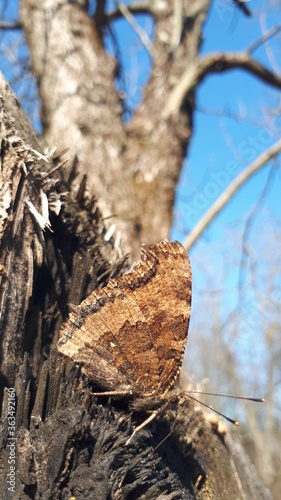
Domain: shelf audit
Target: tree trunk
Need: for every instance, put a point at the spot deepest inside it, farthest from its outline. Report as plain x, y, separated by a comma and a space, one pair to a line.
66, 442
139, 164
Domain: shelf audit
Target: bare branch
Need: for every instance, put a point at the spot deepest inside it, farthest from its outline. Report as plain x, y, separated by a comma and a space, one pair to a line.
229, 192
136, 27
100, 17
10, 26
267, 46
228, 113
241, 4
178, 24
248, 227
142, 7
215, 63
270, 33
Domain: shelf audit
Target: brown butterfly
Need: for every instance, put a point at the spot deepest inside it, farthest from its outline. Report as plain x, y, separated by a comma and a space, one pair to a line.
130, 336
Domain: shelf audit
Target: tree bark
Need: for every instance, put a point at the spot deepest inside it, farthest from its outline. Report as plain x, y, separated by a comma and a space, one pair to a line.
81, 110
67, 442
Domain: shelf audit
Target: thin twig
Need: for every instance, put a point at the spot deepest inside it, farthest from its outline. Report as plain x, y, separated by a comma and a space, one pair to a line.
10, 26
227, 113
141, 7
138, 29
229, 192
264, 38
249, 224
241, 5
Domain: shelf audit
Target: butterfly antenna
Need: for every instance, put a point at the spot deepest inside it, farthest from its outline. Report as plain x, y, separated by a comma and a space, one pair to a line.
256, 400
234, 422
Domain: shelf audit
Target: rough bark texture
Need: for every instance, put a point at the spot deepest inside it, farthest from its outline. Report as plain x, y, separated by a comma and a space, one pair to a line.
67, 442
81, 109
40, 273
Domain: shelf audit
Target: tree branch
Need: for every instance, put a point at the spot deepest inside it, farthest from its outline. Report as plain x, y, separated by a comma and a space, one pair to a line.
270, 33
241, 5
100, 17
229, 192
142, 7
215, 63
136, 27
178, 24
10, 26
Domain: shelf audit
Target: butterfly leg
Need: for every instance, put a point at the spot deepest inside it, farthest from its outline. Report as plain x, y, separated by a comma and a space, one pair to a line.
146, 422
110, 393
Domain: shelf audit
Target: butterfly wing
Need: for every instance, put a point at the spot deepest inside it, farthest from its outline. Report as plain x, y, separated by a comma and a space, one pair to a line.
131, 335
